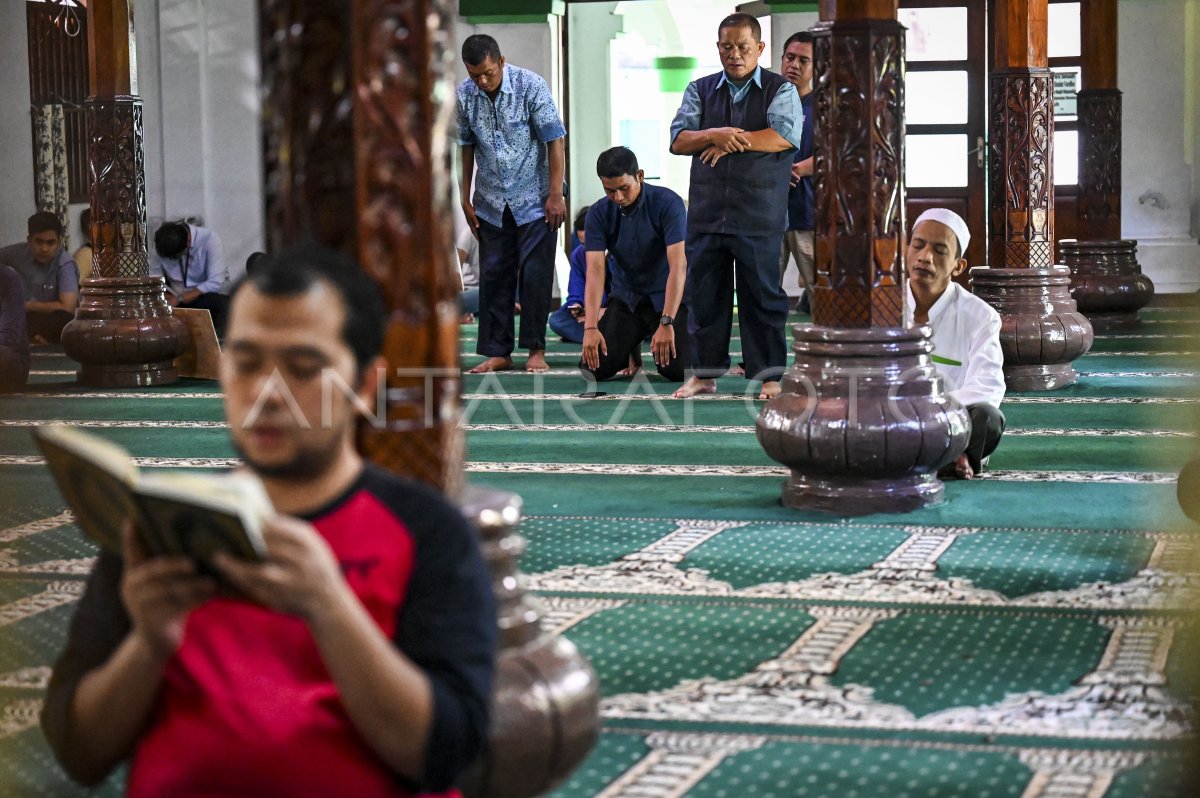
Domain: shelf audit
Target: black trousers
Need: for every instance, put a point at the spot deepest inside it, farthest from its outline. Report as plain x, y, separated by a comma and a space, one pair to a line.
14, 372
216, 304
508, 254
713, 262
987, 425
624, 330
48, 325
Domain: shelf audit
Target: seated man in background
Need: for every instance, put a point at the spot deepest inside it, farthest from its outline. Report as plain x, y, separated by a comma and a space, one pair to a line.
643, 228
50, 277
85, 254
359, 662
966, 331
567, 321
14, 340
189, 259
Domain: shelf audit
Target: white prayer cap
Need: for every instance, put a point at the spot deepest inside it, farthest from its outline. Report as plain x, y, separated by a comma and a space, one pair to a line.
951, 220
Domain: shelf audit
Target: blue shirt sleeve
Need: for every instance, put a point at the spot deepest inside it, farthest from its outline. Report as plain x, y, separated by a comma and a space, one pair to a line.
688, 115
68, 276
674, 220
786, 115
466, 135
542, 113
214, 277
595, 237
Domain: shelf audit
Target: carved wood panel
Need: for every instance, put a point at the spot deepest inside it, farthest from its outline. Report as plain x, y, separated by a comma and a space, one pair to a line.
1100, 164
1020, 167
356, 112
116, 161
859, 174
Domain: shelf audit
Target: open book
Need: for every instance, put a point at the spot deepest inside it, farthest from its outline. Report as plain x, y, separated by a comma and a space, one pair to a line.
195, 515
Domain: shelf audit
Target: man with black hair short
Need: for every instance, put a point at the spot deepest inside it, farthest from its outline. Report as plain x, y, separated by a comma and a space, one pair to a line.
50, 277
643, 228
740, 127
512, 143
798, 239
189, 259
360, 662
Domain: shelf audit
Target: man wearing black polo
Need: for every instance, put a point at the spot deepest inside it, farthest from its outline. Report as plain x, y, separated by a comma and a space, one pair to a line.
643, 228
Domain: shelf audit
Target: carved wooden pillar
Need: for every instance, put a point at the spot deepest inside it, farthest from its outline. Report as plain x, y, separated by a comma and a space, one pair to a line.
1042, 331
1106, 280
123, 334
357, 104
863, 419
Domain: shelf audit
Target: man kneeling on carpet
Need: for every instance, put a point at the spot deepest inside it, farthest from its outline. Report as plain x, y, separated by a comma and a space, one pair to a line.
966, 331
360, 662
643, 228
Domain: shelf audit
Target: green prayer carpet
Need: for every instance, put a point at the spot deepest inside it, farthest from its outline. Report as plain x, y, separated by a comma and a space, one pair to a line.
1034, 634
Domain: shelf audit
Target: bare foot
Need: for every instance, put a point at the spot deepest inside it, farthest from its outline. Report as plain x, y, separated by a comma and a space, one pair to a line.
40, 340
493, 364
737, 371
537, 361
962, 468
635, 365
769, 390
694, 387
466, 318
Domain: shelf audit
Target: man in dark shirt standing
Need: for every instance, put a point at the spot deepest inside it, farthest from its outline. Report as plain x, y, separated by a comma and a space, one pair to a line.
798, 240
740, 127
50, 276
361, 663
643, 228
14, 340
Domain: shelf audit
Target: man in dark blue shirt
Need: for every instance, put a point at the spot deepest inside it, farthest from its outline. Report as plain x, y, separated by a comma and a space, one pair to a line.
643, 228
14, 340
798, 240
567, 321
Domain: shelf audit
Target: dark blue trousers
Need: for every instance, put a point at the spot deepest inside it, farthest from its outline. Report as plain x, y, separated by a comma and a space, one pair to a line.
713, 262
508, 254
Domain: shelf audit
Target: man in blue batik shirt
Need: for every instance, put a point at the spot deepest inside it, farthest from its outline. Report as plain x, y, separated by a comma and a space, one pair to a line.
740, 126
512, 145
798, 240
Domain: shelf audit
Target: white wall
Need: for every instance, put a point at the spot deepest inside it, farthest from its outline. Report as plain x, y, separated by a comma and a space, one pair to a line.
1159, 152
16, 138
198, 77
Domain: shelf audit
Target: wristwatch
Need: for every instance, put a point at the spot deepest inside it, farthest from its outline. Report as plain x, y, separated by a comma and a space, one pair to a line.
666, 321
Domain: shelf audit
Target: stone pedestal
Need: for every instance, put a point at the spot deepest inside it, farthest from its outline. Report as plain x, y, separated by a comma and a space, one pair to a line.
863, 421
546, 700
1042, 331
1107, 283
123, 334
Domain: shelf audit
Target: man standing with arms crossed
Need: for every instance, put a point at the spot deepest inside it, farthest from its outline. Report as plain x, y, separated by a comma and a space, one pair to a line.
740, 127
512, 145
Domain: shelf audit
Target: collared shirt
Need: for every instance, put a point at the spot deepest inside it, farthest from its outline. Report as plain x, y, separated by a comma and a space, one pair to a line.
13, 333
785, 113
800, 197
200, 266
510, 134
637, 240
966, 345
42, 284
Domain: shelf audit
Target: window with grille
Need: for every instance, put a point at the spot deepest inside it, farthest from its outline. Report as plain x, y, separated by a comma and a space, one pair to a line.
58, 75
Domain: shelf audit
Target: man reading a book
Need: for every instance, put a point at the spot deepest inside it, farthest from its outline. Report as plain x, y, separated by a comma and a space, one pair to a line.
356, 659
